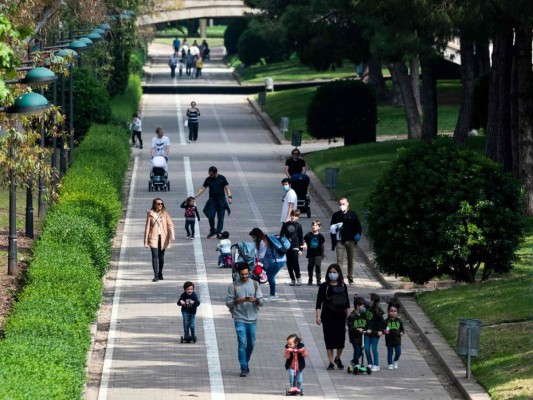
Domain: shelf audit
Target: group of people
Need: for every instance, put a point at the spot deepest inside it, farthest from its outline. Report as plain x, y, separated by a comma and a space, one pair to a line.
188, 58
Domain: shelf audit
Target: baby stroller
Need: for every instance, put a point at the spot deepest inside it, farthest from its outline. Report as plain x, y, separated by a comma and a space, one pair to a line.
159, 176
245, 252
300, 183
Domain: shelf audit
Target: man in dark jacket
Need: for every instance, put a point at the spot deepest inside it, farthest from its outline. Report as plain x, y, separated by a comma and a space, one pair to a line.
345, 229
217, 204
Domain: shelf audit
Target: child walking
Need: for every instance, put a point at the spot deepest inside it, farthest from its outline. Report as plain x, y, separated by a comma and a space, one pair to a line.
292, 230
295, 355
394, 331
189, 302
136, 130
374, 330
315, 251
224, 246
191, 214
357, 325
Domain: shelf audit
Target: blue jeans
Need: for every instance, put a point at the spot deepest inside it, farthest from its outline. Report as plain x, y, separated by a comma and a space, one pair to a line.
271, 272
299, 378
246, 342
396, 349
371, 350
220, 223
192, 320
221, 258
189, 227
356, 353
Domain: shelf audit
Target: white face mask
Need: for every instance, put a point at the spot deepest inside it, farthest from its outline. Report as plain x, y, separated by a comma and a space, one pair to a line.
343, 207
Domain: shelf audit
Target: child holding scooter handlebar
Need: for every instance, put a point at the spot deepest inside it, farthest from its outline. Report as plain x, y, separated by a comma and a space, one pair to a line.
295, 354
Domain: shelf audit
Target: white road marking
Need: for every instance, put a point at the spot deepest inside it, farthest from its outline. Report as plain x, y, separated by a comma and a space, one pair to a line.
181, 131
223, 133
211, 344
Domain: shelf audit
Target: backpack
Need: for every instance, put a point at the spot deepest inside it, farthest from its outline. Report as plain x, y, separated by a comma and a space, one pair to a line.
280, 244
190, 212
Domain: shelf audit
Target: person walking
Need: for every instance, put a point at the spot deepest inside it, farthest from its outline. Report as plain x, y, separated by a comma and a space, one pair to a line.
189, 58
158, 232
314, 242
192, 114
177, 44
292, 230
374, 330
136, 129
332, 306
216, 205
345, 229
244, 297
160, 147
290, 200
394, 331
199, 64
172, 63
191, 214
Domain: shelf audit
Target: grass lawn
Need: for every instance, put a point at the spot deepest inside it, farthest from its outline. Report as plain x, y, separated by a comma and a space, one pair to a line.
293, 104
504, 303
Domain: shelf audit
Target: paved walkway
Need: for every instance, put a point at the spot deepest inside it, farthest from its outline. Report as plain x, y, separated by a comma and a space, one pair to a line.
145, 359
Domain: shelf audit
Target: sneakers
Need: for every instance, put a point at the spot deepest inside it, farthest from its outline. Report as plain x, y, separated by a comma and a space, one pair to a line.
190, 141
350, 281
395, 365
156, 279
243, 373
272, 298
293, 283
160, 277
299, 282
191, 238
211, 235
375, 368
390, 367
338, 362
188, 237
221, 265
331, 367
219, 236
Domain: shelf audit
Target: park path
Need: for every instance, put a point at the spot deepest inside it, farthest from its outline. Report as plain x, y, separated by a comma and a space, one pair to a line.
144, 358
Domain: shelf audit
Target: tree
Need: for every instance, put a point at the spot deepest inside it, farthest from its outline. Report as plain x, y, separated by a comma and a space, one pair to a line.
442, 210
345, 108
232, 34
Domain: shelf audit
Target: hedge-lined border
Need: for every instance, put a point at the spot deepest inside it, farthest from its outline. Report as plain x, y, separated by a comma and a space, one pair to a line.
44, 352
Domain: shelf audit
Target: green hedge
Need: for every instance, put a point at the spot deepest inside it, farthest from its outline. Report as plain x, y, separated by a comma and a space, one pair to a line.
46, 337
123, 106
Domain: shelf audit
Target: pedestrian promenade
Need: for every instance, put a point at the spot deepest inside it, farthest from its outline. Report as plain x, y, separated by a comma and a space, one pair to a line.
145, 359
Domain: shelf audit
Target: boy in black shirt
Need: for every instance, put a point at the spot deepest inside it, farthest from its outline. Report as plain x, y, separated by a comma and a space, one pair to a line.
315, 251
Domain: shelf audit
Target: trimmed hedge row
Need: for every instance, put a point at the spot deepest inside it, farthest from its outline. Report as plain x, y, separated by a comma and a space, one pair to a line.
44, 352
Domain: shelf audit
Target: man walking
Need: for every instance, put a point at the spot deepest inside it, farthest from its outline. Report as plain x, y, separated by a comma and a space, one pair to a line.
345, 229
243, 299
290, 201
217, 204
160, 146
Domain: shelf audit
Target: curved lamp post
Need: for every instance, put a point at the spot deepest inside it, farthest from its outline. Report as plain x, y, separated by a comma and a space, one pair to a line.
27, 103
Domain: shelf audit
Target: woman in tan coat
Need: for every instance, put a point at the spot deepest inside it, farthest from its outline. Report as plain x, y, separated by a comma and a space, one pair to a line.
158, 233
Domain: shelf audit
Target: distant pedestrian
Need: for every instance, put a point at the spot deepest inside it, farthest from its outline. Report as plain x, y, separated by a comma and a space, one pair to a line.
136, 130
394, 331
172, 63
192, 114
295, 164
181, 66
189, 58
189, 302
292, 230
176, 44
374, 330
158, 232
216, 205
244, 297
290, 200
332, 306
295, 355
345, 229
199, 65
314, 242
191, 215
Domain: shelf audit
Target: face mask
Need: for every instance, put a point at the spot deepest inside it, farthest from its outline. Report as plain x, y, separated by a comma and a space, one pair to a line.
343, 207
333, 276
362, 310
286, 188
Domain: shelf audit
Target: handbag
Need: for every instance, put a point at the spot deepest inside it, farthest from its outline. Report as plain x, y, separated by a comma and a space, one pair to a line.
186, 123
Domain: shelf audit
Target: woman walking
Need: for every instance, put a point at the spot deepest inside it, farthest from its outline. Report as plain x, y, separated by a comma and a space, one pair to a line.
193, 113
158, 232
332, 307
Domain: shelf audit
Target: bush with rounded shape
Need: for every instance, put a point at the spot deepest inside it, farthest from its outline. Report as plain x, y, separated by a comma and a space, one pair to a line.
344, 108
232, 34
251, 47
441, 210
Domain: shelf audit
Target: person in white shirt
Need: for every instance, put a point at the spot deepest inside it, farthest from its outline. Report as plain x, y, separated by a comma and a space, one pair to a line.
290, 201
224, 246
160, 147
136, 129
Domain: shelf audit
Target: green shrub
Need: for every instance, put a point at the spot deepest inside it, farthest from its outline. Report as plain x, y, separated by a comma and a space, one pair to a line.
441, 210
91, 102
343, 108
251, 47
124, 105
233, 33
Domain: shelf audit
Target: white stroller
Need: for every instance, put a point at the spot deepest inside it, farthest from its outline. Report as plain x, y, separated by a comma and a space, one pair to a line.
159, 175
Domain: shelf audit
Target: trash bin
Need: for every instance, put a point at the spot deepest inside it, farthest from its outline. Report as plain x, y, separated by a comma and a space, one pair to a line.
269, 83
331, 177
468, 326
261, 98
296, 139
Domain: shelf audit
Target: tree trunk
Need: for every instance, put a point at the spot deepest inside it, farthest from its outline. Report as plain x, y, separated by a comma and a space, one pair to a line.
414, 66
375, 78
482, 57
429, 99
525, 113
411, 113
396, 93
464, 120
498, 143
